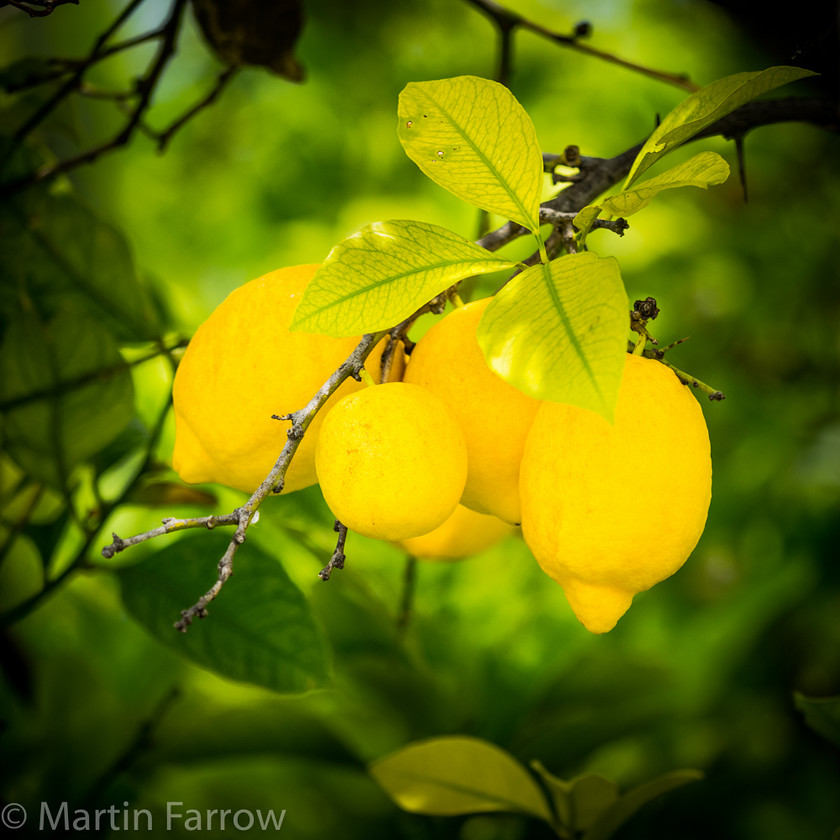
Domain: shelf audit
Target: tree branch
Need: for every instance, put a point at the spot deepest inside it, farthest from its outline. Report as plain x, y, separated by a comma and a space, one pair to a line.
506, 22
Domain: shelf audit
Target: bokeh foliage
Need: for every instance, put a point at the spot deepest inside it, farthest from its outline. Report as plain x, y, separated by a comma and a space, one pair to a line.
702, 672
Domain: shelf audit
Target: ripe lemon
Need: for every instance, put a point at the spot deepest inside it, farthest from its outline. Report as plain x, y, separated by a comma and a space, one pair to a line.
391, 461
465, 532
242, 366
494, 416
610, 510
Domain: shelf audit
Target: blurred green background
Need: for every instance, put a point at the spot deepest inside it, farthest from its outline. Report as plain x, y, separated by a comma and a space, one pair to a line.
700, 673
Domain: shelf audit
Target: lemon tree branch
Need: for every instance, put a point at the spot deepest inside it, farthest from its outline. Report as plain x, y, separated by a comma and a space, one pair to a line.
242, 516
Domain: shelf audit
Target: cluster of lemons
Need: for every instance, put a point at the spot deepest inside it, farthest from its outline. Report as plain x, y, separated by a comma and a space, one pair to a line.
446, 458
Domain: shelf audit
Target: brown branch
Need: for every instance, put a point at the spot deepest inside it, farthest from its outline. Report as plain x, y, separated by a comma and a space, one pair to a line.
273, 483
506, 22
338, 557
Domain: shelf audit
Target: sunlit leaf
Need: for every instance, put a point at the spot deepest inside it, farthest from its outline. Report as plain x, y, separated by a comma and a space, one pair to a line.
633, 800
260, 628
703, 170
471, 136
580, 801
586, 218
822, 714
559, 332
459, 775
385, 273
705, 107
65, 393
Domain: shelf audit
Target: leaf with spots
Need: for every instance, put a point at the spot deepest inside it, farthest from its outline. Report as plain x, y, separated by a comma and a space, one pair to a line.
473, 138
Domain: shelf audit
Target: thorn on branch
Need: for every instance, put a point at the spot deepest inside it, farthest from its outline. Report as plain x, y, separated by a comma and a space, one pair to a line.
338, 557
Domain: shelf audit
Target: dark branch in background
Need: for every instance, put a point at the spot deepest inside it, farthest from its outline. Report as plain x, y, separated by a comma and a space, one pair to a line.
507, 21
37, 8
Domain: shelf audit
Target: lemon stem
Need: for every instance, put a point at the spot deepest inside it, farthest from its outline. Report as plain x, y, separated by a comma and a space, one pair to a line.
639, 349
366, 377
543, 253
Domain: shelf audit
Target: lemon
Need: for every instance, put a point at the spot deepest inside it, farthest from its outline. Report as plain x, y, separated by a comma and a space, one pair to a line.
494, 416
464, 533
242, 366
611, 510
391, 461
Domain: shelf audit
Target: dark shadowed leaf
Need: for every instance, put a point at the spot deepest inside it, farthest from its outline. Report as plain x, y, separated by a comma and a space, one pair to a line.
65, 393
822, 714
259, 629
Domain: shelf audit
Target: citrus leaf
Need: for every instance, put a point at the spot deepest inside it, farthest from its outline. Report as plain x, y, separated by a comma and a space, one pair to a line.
706, 106
385, 273
260, 628
559, 332
473, 138
634, 799
65, 392
61, 253
580, 801
822, 714
459, 775
585, 219
703, 170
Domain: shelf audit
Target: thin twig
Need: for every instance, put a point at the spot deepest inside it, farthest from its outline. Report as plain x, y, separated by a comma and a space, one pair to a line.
146, 86
165, 136
338, 556
273, 483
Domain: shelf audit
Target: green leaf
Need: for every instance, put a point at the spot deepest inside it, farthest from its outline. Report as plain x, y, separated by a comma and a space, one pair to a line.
634, 799
706, 106
822, 714
65, 393
472, 137
582, 800
459, 775
585, 219
385, 273
703, 170
559, 332
61, 255
259, 629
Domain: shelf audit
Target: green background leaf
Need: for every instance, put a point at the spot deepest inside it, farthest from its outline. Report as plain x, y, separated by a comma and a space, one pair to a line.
384, 274
459, 775
822, 714
62, 254
636, 798
559, 332
65, 392
462, 133
706, 106
580, 801
260, 628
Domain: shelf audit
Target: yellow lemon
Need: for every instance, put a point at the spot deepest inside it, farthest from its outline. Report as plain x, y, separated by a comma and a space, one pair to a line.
610, 510
465, 533
391, 461
242, 366
494, 416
